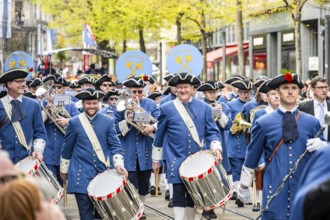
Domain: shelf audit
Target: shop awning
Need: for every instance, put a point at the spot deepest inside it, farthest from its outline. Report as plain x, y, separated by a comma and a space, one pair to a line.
231, 50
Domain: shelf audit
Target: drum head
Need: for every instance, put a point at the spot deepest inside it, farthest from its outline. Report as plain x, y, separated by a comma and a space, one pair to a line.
105, 183
27, 165
197, 164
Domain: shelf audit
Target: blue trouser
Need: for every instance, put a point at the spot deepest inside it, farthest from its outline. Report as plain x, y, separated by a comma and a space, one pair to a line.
181, 197
56, 172
236, 165
86, 208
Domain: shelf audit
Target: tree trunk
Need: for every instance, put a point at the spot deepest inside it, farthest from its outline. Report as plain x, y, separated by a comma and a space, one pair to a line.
124, 46
298, 45
141, 41
239, 34
178, 28
204, 51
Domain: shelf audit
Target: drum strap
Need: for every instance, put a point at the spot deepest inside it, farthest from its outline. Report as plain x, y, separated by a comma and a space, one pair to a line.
93, 139
17, 126
188, 121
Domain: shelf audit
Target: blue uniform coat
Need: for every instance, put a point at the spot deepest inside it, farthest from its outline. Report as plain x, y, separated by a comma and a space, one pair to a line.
84, 164
137, 146
32, 126
266, 134
180, 141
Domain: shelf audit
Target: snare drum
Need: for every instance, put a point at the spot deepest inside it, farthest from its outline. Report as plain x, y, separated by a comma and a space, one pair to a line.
34, 167
114, 197
205, 180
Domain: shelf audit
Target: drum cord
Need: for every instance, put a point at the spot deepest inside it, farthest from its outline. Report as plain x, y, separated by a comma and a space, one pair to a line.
287, 177
158, 212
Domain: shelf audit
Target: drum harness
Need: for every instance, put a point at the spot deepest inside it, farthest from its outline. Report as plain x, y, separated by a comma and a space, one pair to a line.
287, 177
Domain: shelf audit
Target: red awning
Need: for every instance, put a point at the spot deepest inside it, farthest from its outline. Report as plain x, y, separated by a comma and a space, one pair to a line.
230, 51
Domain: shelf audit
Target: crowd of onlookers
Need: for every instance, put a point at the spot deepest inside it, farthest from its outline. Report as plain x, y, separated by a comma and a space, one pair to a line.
21, 197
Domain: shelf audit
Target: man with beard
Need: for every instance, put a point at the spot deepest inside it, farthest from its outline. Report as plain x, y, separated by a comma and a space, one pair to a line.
83, 158
282, 136
182, 144
319, 104
22, 130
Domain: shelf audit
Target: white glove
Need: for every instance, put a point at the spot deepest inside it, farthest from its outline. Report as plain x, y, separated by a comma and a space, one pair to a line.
314, 144
244, 195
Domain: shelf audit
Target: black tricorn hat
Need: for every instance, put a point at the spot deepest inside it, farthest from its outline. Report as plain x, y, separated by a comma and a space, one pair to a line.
36, 82
134, 82
104, 78
86, 80
242, 84
167, 91
220, 85
168, 77
30, 95
154, 95
263, 87
234, 78
184, 78
111, 93
12, 74
258, 83
284, 79
58, 79
208, 85
90, 94
74, 85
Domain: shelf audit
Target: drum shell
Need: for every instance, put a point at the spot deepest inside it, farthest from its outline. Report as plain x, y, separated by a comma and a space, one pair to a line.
209, 189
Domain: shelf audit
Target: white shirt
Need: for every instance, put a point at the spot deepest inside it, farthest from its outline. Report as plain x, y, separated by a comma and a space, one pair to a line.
317, 113
19, 98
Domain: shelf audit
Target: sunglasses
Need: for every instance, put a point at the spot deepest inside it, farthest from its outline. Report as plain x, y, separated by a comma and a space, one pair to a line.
57, 87
111, 99
107, 85
137, 91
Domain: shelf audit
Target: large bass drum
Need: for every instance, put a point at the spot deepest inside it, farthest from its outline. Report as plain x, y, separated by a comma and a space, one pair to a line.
37, 168
205, 180
114, 197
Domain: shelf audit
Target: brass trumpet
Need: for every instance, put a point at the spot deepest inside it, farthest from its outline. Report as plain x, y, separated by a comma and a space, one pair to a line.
125, 102
240, 125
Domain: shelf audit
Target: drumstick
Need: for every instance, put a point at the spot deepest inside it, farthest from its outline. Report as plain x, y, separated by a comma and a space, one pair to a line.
156, 174
254, 191
65, 199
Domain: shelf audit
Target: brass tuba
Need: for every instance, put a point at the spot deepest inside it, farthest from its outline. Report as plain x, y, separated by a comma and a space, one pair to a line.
126, 101
44, 92
253, 111
240, 125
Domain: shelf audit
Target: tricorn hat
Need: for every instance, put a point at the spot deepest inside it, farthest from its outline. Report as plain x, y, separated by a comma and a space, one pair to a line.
242, 84
89, 94
154, 95
285, 78
111, 93
184, 78
134, 82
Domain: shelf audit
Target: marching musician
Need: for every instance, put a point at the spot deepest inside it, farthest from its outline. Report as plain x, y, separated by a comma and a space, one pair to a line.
210, 91
236, 141
34, 84
319, 105
112, 98
287, 132
137, 145
55, 138
156, 96
182, 144
85, 83
75, 87
22, 132
172, 89
231, 95
105, 83
83, 157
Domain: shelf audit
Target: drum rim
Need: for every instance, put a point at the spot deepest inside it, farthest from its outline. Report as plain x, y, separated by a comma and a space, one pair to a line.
36, 166
202, 175
110, 195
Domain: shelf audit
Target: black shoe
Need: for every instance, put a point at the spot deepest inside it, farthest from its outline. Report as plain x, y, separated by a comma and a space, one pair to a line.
143, 216
170, 204
209, 215
152, 191
233, 196
239, 203
167, 195
256, 208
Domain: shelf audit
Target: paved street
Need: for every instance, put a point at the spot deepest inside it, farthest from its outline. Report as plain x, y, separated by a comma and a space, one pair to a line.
160, 203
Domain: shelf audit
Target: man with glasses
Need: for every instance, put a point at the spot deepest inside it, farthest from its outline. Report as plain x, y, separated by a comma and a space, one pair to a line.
236, 141
319, 105
111, 97
55, 137
137, 145
29, 135
105, 84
